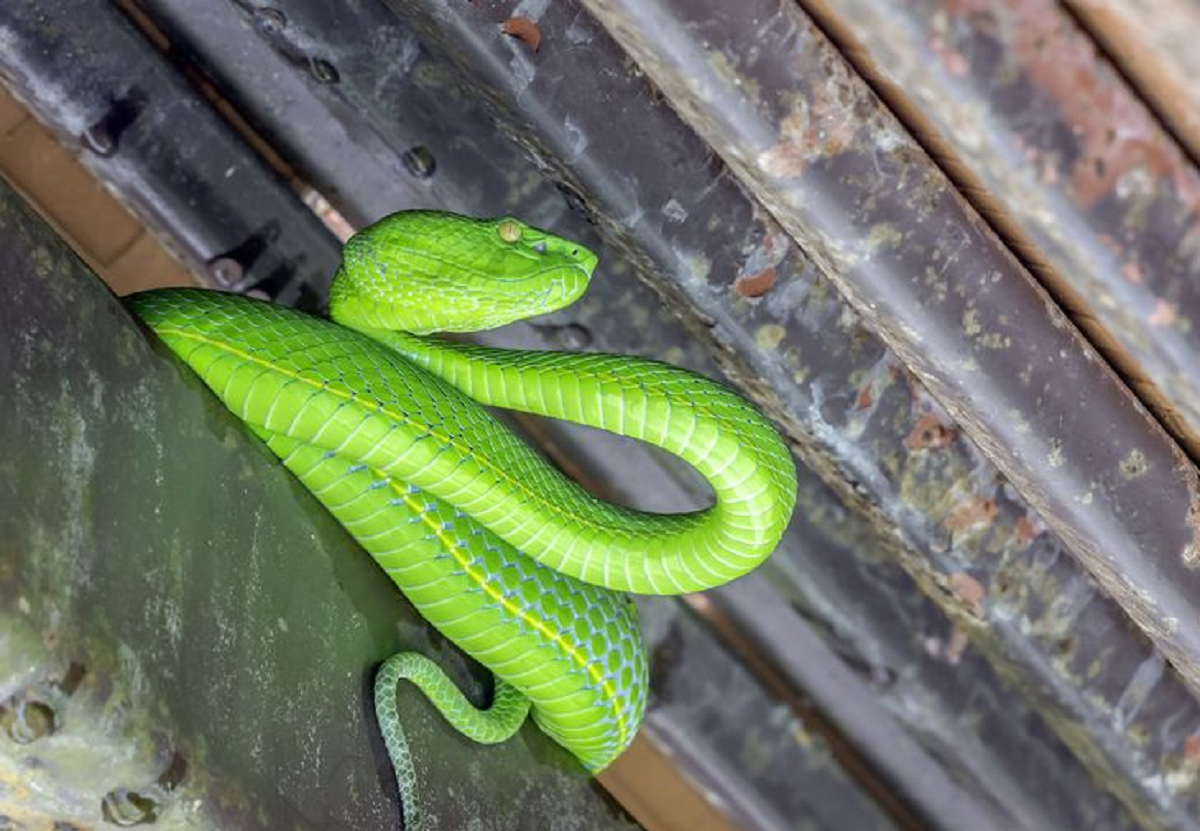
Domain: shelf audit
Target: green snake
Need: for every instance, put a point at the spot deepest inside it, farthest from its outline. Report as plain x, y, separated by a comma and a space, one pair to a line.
512, 561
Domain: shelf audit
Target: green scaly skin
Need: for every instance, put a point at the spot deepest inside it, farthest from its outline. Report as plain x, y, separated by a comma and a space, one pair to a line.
515, 563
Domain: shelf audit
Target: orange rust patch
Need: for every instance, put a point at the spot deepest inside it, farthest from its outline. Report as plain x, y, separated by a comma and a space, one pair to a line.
1132, 272
523, 29
929, 433
975, 512
865, 399
784, 161
956, 646
968, 590
817, 128
755, 285
1026, 530
1191, 749
1117, 133
955, 63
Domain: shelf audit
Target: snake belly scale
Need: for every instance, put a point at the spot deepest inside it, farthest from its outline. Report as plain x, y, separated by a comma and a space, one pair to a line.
516, 564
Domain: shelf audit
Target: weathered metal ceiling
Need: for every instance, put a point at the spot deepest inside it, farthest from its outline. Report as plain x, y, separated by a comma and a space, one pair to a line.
947, 246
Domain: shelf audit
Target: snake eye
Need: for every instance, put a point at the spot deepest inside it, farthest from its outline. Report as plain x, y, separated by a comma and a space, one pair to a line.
509, 230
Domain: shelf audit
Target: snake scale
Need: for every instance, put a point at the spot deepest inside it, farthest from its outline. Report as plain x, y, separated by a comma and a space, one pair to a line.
512, 561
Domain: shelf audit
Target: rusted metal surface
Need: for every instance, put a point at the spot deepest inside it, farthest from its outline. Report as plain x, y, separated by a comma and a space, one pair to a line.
1053, 146
880, 439
844, 179
991, 681
1154, 43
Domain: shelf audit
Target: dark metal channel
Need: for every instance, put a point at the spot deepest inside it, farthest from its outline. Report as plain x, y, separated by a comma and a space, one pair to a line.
88, 73
1055, 148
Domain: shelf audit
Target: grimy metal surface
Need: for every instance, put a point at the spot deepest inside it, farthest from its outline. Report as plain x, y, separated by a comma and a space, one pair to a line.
1154, 43
852, 187
353, 96
1054, 147
225, 664
83, 69
857, 415
754, 724
847, 182
901, 648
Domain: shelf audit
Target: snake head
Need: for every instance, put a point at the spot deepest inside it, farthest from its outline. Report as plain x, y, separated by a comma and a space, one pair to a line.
431, 271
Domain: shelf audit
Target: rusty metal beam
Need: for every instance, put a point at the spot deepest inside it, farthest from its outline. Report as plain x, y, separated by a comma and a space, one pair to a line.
1048, 141
858, 417
1153, 43
930, 278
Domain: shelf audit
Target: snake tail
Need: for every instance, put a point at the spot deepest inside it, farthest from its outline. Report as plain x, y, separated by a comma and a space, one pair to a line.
493, 725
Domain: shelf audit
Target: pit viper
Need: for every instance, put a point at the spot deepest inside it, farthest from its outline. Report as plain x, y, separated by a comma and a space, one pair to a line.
515, 563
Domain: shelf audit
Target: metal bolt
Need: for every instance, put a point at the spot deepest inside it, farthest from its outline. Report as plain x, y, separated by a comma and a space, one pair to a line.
270, 21
419, 162
99, 140
323, 71
225, 271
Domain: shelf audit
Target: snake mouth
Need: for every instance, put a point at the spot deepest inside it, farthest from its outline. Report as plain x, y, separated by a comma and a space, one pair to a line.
587, 262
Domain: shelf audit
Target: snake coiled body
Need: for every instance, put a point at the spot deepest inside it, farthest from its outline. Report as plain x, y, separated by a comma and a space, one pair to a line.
511, 560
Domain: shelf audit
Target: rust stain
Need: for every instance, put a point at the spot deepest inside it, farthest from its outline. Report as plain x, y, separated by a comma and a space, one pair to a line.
957, 66
755, 285
1027, 530
786, 159
1191, 750
1115, 132
968, 590
814, 128
1191, 551
972, 513
865, 399
1132, 272
523, 29
956, 646
929, 433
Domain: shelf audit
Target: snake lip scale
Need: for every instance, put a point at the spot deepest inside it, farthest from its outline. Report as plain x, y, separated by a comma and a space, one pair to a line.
515, 563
